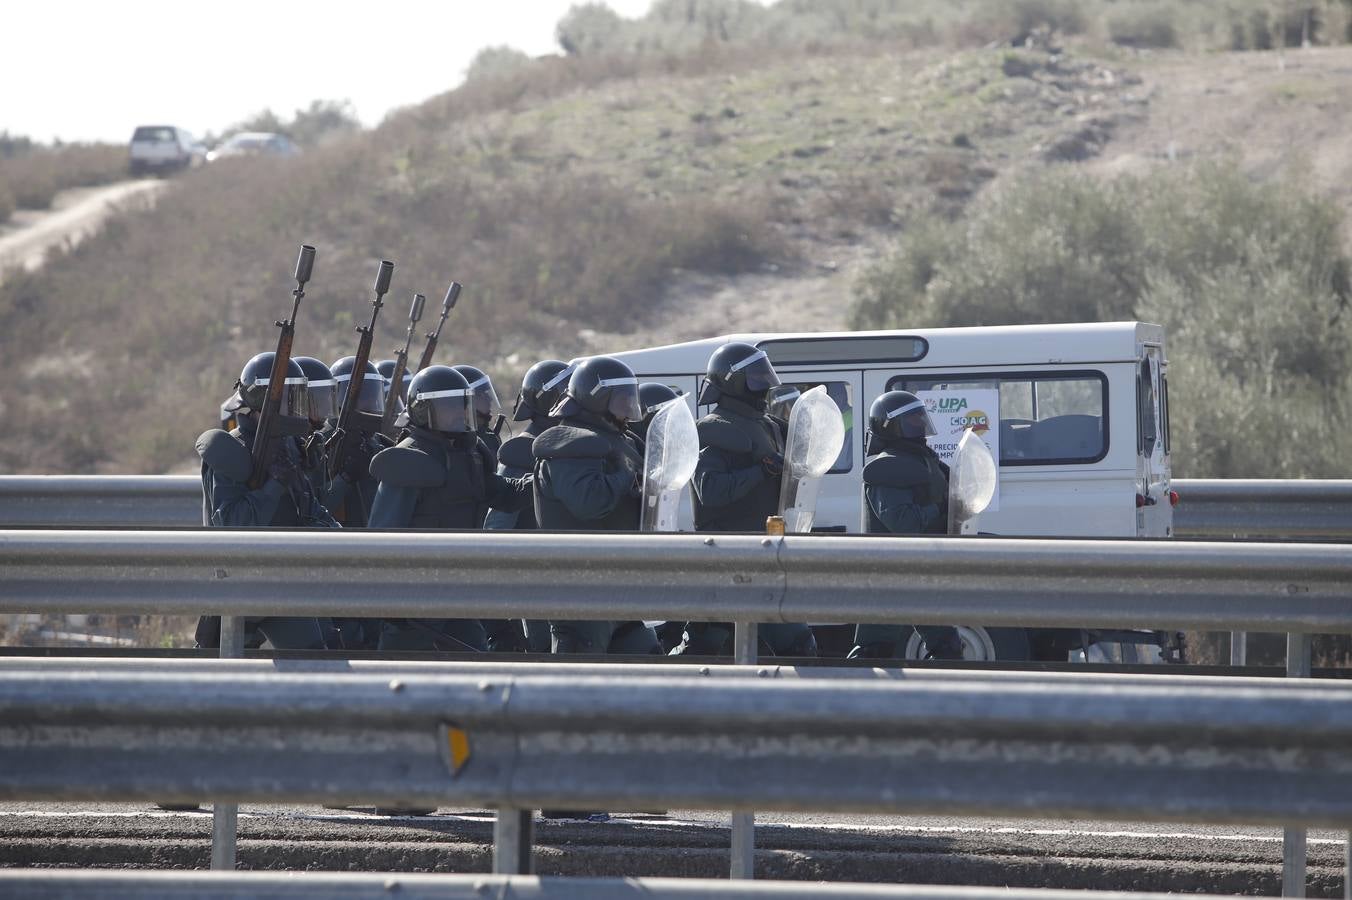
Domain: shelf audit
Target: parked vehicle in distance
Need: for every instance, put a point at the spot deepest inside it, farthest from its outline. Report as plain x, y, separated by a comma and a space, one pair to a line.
255, 143
1082, 417
163, 148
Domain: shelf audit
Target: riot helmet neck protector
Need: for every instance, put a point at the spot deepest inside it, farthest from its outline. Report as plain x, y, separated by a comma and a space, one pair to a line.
741, 371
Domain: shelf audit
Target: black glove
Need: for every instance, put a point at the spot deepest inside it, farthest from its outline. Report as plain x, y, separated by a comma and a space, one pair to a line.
772, 465
358, 463
284, 471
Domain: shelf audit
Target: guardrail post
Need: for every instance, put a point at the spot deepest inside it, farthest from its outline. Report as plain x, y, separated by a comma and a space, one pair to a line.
744, 646
1239, 648
1293, 839
513, 834
225, 816
1347, 869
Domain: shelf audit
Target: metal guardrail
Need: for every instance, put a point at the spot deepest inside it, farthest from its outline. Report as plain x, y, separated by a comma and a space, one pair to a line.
1015, 582
38, 884
1174, 748
106, 501
1298, 509
1290, 509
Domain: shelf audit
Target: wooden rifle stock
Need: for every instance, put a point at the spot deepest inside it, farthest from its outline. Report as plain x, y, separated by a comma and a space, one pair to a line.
271, 429
346, 435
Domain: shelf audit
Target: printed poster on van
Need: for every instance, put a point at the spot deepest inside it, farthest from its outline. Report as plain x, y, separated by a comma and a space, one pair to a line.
954, 411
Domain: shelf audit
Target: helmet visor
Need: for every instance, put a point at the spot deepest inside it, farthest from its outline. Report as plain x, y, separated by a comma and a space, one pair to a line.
371, 397
913, 421
623, 402
781, 400
486, 405
323, 399
760, 375
295, 395
447, 410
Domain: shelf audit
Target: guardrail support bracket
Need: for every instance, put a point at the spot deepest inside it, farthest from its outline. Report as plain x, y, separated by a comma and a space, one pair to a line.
513, 834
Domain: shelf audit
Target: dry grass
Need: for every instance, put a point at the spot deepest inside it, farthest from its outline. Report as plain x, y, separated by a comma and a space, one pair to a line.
31, 180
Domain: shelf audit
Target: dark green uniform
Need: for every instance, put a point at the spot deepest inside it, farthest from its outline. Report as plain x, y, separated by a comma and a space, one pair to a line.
733, 491
906, 492
587, 478
435, 480
229, 502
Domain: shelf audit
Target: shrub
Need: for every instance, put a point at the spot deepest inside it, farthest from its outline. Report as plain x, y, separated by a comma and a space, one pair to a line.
1250, 280
7, 205
494, 62
1144, 25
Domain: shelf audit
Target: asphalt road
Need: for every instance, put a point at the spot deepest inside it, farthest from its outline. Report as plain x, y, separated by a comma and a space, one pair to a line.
1091, 855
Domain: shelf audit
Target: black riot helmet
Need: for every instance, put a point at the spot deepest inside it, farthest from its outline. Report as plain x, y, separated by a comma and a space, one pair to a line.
651, 396
897, 416
252, 387
741, 371
602, 385
371, 398
486, 405
540, 390
386, 369
439, 399
321, 387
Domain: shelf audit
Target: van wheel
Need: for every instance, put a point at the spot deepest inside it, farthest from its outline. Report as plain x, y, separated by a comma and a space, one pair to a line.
978, 644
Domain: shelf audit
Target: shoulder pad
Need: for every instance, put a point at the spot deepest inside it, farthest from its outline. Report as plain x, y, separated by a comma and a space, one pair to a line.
887, 470
517, 454
568, 442
402, 466
715, 431
226, 454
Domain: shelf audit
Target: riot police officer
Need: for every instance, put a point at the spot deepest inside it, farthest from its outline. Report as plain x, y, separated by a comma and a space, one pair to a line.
488, 418
540, 391
588, 476
286, 498
439, 476
353, 491
905, 492
738, 479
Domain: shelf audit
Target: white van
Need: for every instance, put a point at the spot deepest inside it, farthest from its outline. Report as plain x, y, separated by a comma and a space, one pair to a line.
1083, 418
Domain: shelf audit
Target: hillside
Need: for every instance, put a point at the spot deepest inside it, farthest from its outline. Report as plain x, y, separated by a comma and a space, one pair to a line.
591, 205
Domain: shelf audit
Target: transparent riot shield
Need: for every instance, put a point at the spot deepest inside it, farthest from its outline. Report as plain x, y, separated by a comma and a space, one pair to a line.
972, 480
669, 460
816, 435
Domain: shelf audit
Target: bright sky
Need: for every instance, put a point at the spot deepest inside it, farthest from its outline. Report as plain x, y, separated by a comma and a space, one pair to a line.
94, 69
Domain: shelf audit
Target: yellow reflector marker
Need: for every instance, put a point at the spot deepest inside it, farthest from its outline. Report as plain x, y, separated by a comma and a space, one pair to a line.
456, 748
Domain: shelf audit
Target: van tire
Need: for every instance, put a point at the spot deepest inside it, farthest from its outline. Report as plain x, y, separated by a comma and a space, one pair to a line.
980, 644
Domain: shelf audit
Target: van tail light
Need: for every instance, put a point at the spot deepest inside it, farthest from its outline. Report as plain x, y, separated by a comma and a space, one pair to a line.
1140, 500
1173, 498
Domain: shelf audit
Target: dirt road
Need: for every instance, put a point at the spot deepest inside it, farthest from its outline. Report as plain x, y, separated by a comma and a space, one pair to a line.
76, 213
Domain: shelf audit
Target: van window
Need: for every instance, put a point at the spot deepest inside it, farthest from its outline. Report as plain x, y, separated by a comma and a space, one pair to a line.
1145, 408
1164, 396
153, 134
1046, 418
843, 393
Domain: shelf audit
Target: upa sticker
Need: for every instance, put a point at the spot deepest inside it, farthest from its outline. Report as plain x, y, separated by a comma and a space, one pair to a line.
955, 410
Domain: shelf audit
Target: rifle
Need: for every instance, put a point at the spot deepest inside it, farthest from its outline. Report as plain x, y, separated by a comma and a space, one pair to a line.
452, 295
347, 431
415, 312
273, 426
